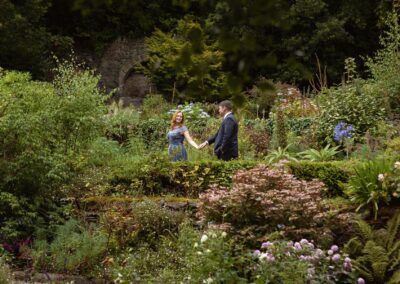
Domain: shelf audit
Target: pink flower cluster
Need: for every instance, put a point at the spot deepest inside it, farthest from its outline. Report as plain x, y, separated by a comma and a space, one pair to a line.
263, 196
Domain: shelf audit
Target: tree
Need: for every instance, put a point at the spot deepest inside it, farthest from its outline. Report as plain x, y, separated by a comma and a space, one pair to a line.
186, 62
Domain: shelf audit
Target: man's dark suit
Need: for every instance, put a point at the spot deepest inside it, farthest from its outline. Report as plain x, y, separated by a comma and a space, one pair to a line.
226, 139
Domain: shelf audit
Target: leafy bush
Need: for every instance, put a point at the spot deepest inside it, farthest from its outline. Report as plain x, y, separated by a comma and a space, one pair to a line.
353, 104
332, 174
263, 200
155, 175
5, 272
155, 106
377, 252
45, 127
374, 183
187, 258
386, 64
120, 122
75, 249
301, 262
142, 222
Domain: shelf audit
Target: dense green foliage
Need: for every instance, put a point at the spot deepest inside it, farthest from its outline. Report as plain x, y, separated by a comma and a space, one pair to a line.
278, 39
332, 174
44, 128
185, 69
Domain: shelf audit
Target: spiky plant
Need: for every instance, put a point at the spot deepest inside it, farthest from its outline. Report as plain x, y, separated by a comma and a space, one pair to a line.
368, 187
280, 154
325, 154
376, 253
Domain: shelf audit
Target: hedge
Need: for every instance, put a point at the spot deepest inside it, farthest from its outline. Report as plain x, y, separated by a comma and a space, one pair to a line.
181, 178
333, 174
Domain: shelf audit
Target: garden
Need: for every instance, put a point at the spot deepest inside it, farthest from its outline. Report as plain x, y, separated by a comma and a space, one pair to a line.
88, 193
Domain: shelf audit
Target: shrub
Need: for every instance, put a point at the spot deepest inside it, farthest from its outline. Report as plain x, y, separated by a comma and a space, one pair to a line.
386, 64
375, 182
300, 262
139, 222
352, 104
155, 105
120, 122
263, 200
332, 174
187, 258
5, 272
377, 252
75, 249
156, 175
280, 129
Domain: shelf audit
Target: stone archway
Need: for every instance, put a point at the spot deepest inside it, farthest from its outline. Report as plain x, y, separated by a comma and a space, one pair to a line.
117, 69
134, 88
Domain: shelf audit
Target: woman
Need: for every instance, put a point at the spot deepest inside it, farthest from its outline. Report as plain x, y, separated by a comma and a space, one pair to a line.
176, 136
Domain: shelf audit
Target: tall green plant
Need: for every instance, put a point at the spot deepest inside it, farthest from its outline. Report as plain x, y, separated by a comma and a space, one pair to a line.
385, 65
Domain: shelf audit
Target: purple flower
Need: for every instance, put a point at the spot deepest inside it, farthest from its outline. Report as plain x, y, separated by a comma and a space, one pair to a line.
347, 259
304, 241
266, 244
298, 246
342, 131
347, 266
336, 257
334, 248
256, 253
360, 281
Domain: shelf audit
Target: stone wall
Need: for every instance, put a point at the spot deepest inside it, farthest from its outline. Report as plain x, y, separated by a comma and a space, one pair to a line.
116, 67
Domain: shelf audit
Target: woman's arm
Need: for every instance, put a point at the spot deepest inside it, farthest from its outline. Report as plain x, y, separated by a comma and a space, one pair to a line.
190, 140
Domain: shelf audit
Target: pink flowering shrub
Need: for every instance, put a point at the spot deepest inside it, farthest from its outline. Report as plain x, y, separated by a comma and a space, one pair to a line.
263, 200
301, 262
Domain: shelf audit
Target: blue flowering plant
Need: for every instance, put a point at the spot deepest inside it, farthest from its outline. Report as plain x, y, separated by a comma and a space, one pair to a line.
344, 133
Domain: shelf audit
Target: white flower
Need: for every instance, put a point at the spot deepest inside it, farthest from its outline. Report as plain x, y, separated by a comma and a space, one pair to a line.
209, 280
381, 177
203, 238
224, 234
196, 245
199, 253
397, 165
208, 251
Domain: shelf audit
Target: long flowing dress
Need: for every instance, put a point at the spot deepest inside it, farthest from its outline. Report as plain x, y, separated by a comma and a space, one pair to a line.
176, 149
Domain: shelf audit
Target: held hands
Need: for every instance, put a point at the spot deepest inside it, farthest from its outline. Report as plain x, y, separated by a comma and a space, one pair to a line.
202, 145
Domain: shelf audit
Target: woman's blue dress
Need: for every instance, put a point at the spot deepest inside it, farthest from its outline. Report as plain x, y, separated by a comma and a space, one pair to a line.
176, 149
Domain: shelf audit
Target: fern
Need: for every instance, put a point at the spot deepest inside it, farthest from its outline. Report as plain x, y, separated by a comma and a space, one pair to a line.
395, 279
379, 259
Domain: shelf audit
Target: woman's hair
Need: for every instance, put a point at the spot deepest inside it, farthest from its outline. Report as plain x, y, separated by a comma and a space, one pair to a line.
173, 120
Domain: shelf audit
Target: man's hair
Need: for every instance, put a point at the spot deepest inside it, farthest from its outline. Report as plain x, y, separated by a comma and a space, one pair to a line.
227, 104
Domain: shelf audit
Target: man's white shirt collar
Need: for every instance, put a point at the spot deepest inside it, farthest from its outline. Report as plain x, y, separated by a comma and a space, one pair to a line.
226, 114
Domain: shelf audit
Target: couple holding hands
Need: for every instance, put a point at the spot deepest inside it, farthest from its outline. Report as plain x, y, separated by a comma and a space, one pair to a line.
225, 140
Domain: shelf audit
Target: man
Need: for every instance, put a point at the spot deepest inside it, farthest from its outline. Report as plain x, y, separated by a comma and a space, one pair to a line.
226, 139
